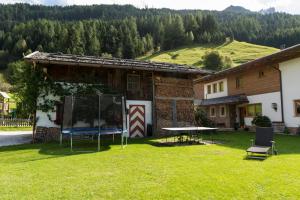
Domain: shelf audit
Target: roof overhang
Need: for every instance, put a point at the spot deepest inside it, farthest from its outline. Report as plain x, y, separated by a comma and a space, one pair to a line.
235, 99
94, 61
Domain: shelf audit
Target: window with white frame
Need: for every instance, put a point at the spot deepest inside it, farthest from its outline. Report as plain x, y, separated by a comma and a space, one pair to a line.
212, 111
215, 87
221, 86
222, 111
133, 82
209, 89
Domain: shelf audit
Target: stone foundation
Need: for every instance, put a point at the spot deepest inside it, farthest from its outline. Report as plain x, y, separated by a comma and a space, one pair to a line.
46, 134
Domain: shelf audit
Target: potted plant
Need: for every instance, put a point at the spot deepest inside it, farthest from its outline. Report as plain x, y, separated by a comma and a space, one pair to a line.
262, 123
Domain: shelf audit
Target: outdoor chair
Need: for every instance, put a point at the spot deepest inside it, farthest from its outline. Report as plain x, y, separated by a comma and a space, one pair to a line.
263, 144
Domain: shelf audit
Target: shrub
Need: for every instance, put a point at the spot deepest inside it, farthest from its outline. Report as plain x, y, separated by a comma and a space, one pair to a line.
262, 121
286, 131
202, 119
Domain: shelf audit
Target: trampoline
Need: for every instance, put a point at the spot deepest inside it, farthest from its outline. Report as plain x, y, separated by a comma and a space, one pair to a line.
94, 116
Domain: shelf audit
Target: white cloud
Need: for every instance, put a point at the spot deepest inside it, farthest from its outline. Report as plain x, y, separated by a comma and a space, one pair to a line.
291, 6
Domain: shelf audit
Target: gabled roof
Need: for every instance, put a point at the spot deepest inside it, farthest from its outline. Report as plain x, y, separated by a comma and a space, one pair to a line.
4, 95
224, 100
278, 57
94, 61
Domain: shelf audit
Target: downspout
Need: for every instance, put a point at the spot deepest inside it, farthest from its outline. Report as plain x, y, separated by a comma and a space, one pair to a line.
281, 95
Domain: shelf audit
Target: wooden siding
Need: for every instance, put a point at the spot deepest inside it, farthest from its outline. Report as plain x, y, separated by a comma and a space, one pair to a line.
116, 79
174, 101
251, 83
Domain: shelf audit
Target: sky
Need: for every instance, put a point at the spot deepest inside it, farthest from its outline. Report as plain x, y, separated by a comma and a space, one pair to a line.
289, 6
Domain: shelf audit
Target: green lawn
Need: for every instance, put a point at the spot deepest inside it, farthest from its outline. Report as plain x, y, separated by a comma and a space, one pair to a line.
145, 170
5, 128
239, 52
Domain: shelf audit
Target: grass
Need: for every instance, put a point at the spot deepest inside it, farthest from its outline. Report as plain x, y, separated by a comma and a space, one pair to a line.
239, 52
5, 128
145, 170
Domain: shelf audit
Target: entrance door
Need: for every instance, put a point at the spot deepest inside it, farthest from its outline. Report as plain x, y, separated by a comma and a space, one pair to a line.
137, 121
242, 114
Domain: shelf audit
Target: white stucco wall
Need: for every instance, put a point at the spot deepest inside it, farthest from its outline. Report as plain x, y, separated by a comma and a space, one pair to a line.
43, 117
290, 71
148, 110
217, 94
266, 100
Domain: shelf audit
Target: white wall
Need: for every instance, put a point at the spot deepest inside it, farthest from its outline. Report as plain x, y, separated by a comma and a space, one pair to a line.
43, 118
148, 110
290, 71
218, 94
266, 100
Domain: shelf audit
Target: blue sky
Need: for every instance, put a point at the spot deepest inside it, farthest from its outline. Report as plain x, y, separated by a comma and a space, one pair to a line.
290, 6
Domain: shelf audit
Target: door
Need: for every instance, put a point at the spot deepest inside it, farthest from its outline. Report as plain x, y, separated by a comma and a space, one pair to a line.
242, 114
137, 121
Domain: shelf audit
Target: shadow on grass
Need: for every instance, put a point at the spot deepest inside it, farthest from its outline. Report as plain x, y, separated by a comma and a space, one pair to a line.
237, 140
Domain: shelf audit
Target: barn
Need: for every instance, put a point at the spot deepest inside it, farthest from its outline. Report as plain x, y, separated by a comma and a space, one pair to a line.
161, 93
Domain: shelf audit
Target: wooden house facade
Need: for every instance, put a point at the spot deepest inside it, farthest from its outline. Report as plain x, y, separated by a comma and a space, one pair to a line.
163, 93
265, 86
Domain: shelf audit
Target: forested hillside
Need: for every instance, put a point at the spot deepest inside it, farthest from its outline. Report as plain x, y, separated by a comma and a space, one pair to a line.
128, 32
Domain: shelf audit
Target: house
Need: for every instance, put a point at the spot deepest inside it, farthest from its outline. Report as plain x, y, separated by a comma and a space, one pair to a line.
265, 86
4, 104
290, 81
162, 92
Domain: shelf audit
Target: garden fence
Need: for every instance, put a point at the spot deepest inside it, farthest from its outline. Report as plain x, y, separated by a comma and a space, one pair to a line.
15, 122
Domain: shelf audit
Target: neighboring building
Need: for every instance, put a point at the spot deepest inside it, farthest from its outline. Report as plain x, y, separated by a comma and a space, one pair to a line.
236, 95
290, 71
4, 103
164, 92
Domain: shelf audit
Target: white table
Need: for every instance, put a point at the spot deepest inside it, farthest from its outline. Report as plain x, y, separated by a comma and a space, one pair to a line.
189, 130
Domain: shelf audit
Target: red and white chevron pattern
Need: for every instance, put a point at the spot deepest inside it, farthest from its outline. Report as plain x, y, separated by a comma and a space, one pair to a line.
137, 120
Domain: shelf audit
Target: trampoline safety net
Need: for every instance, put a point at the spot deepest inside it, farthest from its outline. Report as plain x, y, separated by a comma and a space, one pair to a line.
102, 114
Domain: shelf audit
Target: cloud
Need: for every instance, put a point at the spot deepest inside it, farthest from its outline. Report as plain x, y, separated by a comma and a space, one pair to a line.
291, 6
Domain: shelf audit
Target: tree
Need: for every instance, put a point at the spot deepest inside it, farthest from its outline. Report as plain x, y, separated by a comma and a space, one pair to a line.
215, 61
27, 81
189, 37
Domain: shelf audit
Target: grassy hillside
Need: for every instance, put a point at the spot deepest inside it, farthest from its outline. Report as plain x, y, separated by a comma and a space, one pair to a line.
239, 52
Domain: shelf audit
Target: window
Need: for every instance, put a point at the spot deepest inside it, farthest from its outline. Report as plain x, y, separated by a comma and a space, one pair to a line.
221, 86
222, 111
238, 82
212, 111
261, 74
254, 109
297, 107
209, 89
215, 88
133, 82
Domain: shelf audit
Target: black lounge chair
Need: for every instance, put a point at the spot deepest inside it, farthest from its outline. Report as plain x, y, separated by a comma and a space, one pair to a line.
263, 144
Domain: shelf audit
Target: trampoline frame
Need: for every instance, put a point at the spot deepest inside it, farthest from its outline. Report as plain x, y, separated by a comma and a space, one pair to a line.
123, 132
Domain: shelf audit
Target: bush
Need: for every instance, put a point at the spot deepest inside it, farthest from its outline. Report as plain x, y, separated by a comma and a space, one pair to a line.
202, 119
286, 131
262, 121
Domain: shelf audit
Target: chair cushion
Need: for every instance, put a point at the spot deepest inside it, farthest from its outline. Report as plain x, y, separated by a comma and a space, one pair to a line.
258, 149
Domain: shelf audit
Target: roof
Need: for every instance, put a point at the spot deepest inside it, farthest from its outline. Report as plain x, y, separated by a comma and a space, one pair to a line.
94, 61
278, 57
223, 100
5, 95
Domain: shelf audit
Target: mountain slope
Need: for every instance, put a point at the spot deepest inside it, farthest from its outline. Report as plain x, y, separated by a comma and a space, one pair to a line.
236, 9
239, 52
